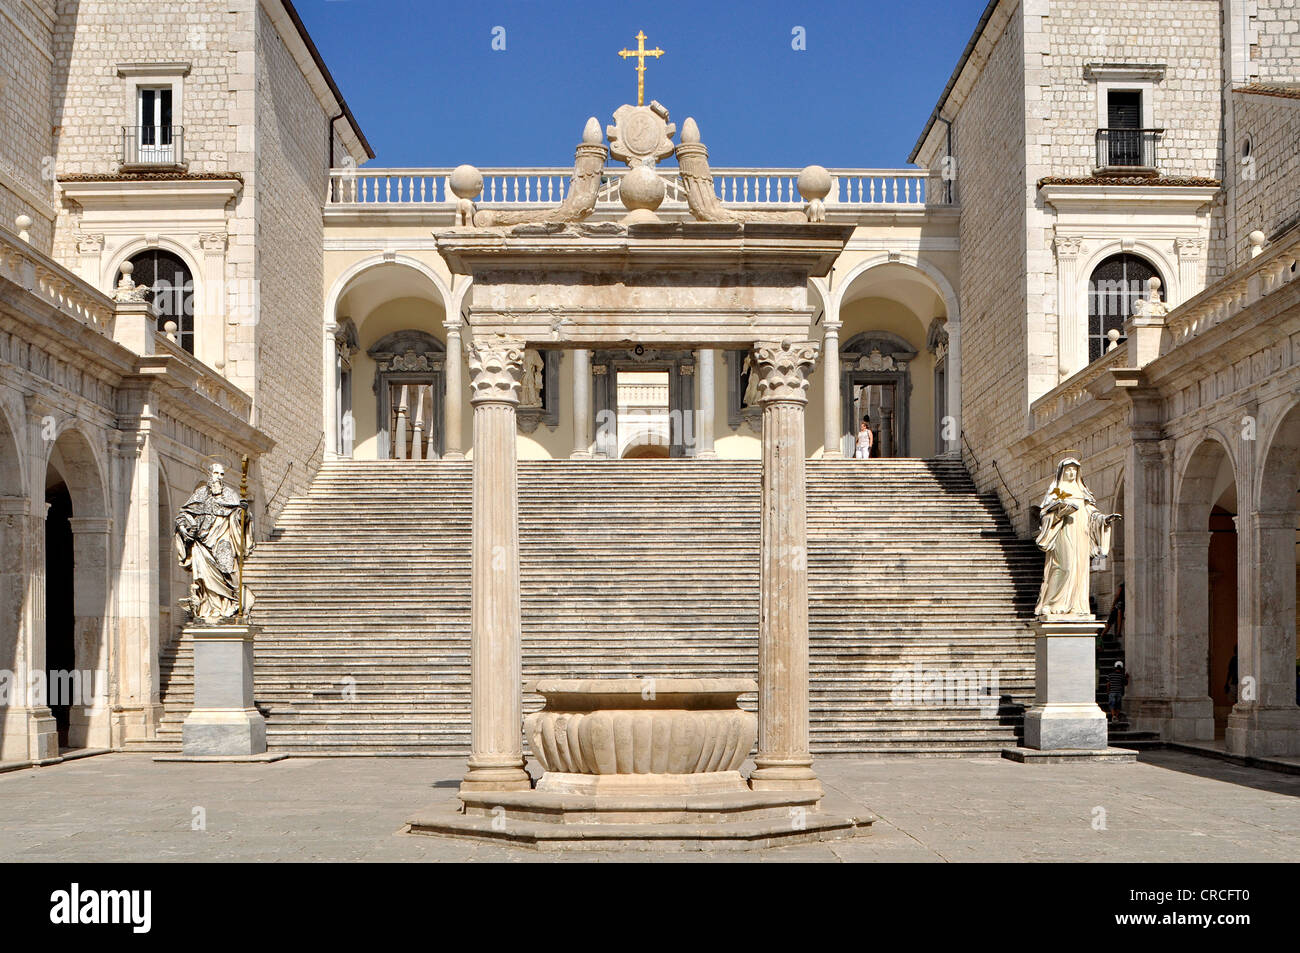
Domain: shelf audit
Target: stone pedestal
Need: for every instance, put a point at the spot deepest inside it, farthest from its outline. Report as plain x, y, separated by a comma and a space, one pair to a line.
496, 760
783, 761
1065, 715
224, 721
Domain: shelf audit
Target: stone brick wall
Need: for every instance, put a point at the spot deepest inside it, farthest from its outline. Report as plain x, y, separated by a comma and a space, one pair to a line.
989, 138
26, 57
1277, 48
1182, 35
291, 178
1267, 195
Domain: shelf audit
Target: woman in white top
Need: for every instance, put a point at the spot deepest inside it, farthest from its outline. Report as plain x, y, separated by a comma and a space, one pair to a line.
865, 438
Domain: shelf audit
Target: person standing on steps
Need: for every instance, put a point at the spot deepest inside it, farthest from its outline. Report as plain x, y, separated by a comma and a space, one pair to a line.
1115, 683
865, 439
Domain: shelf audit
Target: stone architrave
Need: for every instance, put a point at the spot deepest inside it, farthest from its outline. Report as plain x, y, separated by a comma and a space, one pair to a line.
783, 761
224, 721
496, 760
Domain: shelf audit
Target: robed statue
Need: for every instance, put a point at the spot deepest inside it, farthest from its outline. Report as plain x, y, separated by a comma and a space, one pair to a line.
211, 538
1071, 531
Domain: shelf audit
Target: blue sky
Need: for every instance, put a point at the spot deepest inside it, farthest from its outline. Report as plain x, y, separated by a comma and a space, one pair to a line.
429, 90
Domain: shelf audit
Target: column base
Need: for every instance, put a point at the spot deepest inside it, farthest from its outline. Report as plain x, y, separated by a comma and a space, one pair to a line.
136, 723
832, 455
786, 776
706, 455
582, 455
454, 455
1061, 726
496, 777
213, 732
29, 734
1260, 732
1176, 719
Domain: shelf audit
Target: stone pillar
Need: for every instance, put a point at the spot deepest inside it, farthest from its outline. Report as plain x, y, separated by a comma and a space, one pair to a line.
953, 382
1265, 721
832, 433
1072, 329
1065, 715
783, 761
1191, 716
1147, 638
136, 693
581, 404
706, 358
454, 407
496, 760
88, 719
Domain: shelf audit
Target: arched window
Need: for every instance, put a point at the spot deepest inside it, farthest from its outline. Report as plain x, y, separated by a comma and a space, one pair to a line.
1115, 285
171, 291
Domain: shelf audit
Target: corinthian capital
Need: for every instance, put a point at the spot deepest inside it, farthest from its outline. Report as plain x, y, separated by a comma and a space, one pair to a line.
781, 367
495, 364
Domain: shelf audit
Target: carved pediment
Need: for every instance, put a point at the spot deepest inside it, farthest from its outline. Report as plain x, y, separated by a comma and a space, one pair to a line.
407, 351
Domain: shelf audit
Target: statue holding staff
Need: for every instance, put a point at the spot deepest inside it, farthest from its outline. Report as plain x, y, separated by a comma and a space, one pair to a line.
1071, 531
211, 539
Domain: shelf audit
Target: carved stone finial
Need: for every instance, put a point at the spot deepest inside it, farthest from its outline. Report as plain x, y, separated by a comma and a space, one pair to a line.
128, 292
814, 185
23, 222
591, 132
781, 368
495, 365
690, 131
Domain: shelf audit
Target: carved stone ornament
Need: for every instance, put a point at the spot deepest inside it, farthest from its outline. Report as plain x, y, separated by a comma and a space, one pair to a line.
580, 200
875, 361
90, 244
1068, 247
641, 135
495, 364
408, 350
781, 368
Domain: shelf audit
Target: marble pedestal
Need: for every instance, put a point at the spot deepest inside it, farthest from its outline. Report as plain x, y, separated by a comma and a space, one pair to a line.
1065, 716
224, 722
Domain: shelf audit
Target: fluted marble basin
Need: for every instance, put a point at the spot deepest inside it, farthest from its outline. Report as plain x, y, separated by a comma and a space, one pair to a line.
641, 729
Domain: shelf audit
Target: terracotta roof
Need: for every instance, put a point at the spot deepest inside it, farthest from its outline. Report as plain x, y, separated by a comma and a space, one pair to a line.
150, 176
1169, 181
1270, 89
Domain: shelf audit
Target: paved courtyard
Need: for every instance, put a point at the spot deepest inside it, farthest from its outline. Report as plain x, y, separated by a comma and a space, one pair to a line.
1169, 806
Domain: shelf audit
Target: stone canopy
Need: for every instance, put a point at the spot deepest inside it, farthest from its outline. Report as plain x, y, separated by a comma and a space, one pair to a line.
697, 284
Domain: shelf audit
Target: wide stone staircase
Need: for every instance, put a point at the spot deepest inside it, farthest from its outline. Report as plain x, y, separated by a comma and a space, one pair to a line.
920, 600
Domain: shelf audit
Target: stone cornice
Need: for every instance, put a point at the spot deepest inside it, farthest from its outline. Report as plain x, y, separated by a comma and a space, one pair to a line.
152, 191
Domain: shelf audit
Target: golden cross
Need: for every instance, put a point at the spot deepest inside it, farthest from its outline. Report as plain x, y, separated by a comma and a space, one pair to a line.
640, 53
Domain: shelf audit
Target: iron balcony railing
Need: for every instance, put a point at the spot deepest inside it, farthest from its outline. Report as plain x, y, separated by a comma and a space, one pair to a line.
1127, 148
153, 145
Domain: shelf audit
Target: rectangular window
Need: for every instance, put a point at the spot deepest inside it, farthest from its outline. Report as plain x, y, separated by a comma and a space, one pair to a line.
155, 125
1124, 119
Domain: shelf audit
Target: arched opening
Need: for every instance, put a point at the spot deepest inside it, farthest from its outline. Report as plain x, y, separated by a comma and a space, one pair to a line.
1279, 571
76, 588
1114, 286
894, 361
171, 291
1205, 580
390, 365
644, 415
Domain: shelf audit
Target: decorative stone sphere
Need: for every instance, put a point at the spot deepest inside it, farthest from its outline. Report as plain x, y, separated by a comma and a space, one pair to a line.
1154, 284
170, 329
1257, 237
23, 222
466, 181
126, 268
642, 189
814, 183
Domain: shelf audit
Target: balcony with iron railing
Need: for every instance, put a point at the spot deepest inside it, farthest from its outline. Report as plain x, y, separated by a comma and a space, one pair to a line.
1128, 151
412, 190
153, 146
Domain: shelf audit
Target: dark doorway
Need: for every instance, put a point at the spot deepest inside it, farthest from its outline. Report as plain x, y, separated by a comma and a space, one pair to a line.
1222, 565
60, 649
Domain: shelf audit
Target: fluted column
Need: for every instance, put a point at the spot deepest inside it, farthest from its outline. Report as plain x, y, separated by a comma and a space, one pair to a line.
496, 760
783, 761
581, 404
706, 361
832, 439
453, 400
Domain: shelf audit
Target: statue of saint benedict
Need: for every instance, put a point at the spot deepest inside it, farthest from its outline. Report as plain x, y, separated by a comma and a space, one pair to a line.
1071, 531
211, 538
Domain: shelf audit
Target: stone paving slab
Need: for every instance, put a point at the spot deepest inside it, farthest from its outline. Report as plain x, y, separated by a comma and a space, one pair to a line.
1168, 806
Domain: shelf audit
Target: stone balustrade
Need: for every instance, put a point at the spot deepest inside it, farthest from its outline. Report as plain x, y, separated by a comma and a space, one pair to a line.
39, 274
1061, 400
207, 382
1261, 276
851, 189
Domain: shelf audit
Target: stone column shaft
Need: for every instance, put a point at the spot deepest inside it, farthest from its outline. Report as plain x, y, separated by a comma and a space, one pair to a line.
496, 761
454, 407
706, 359
832, 436
783, 761
581, 404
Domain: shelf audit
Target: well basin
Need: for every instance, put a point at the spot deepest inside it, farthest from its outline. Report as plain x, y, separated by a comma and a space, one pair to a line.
641, 727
